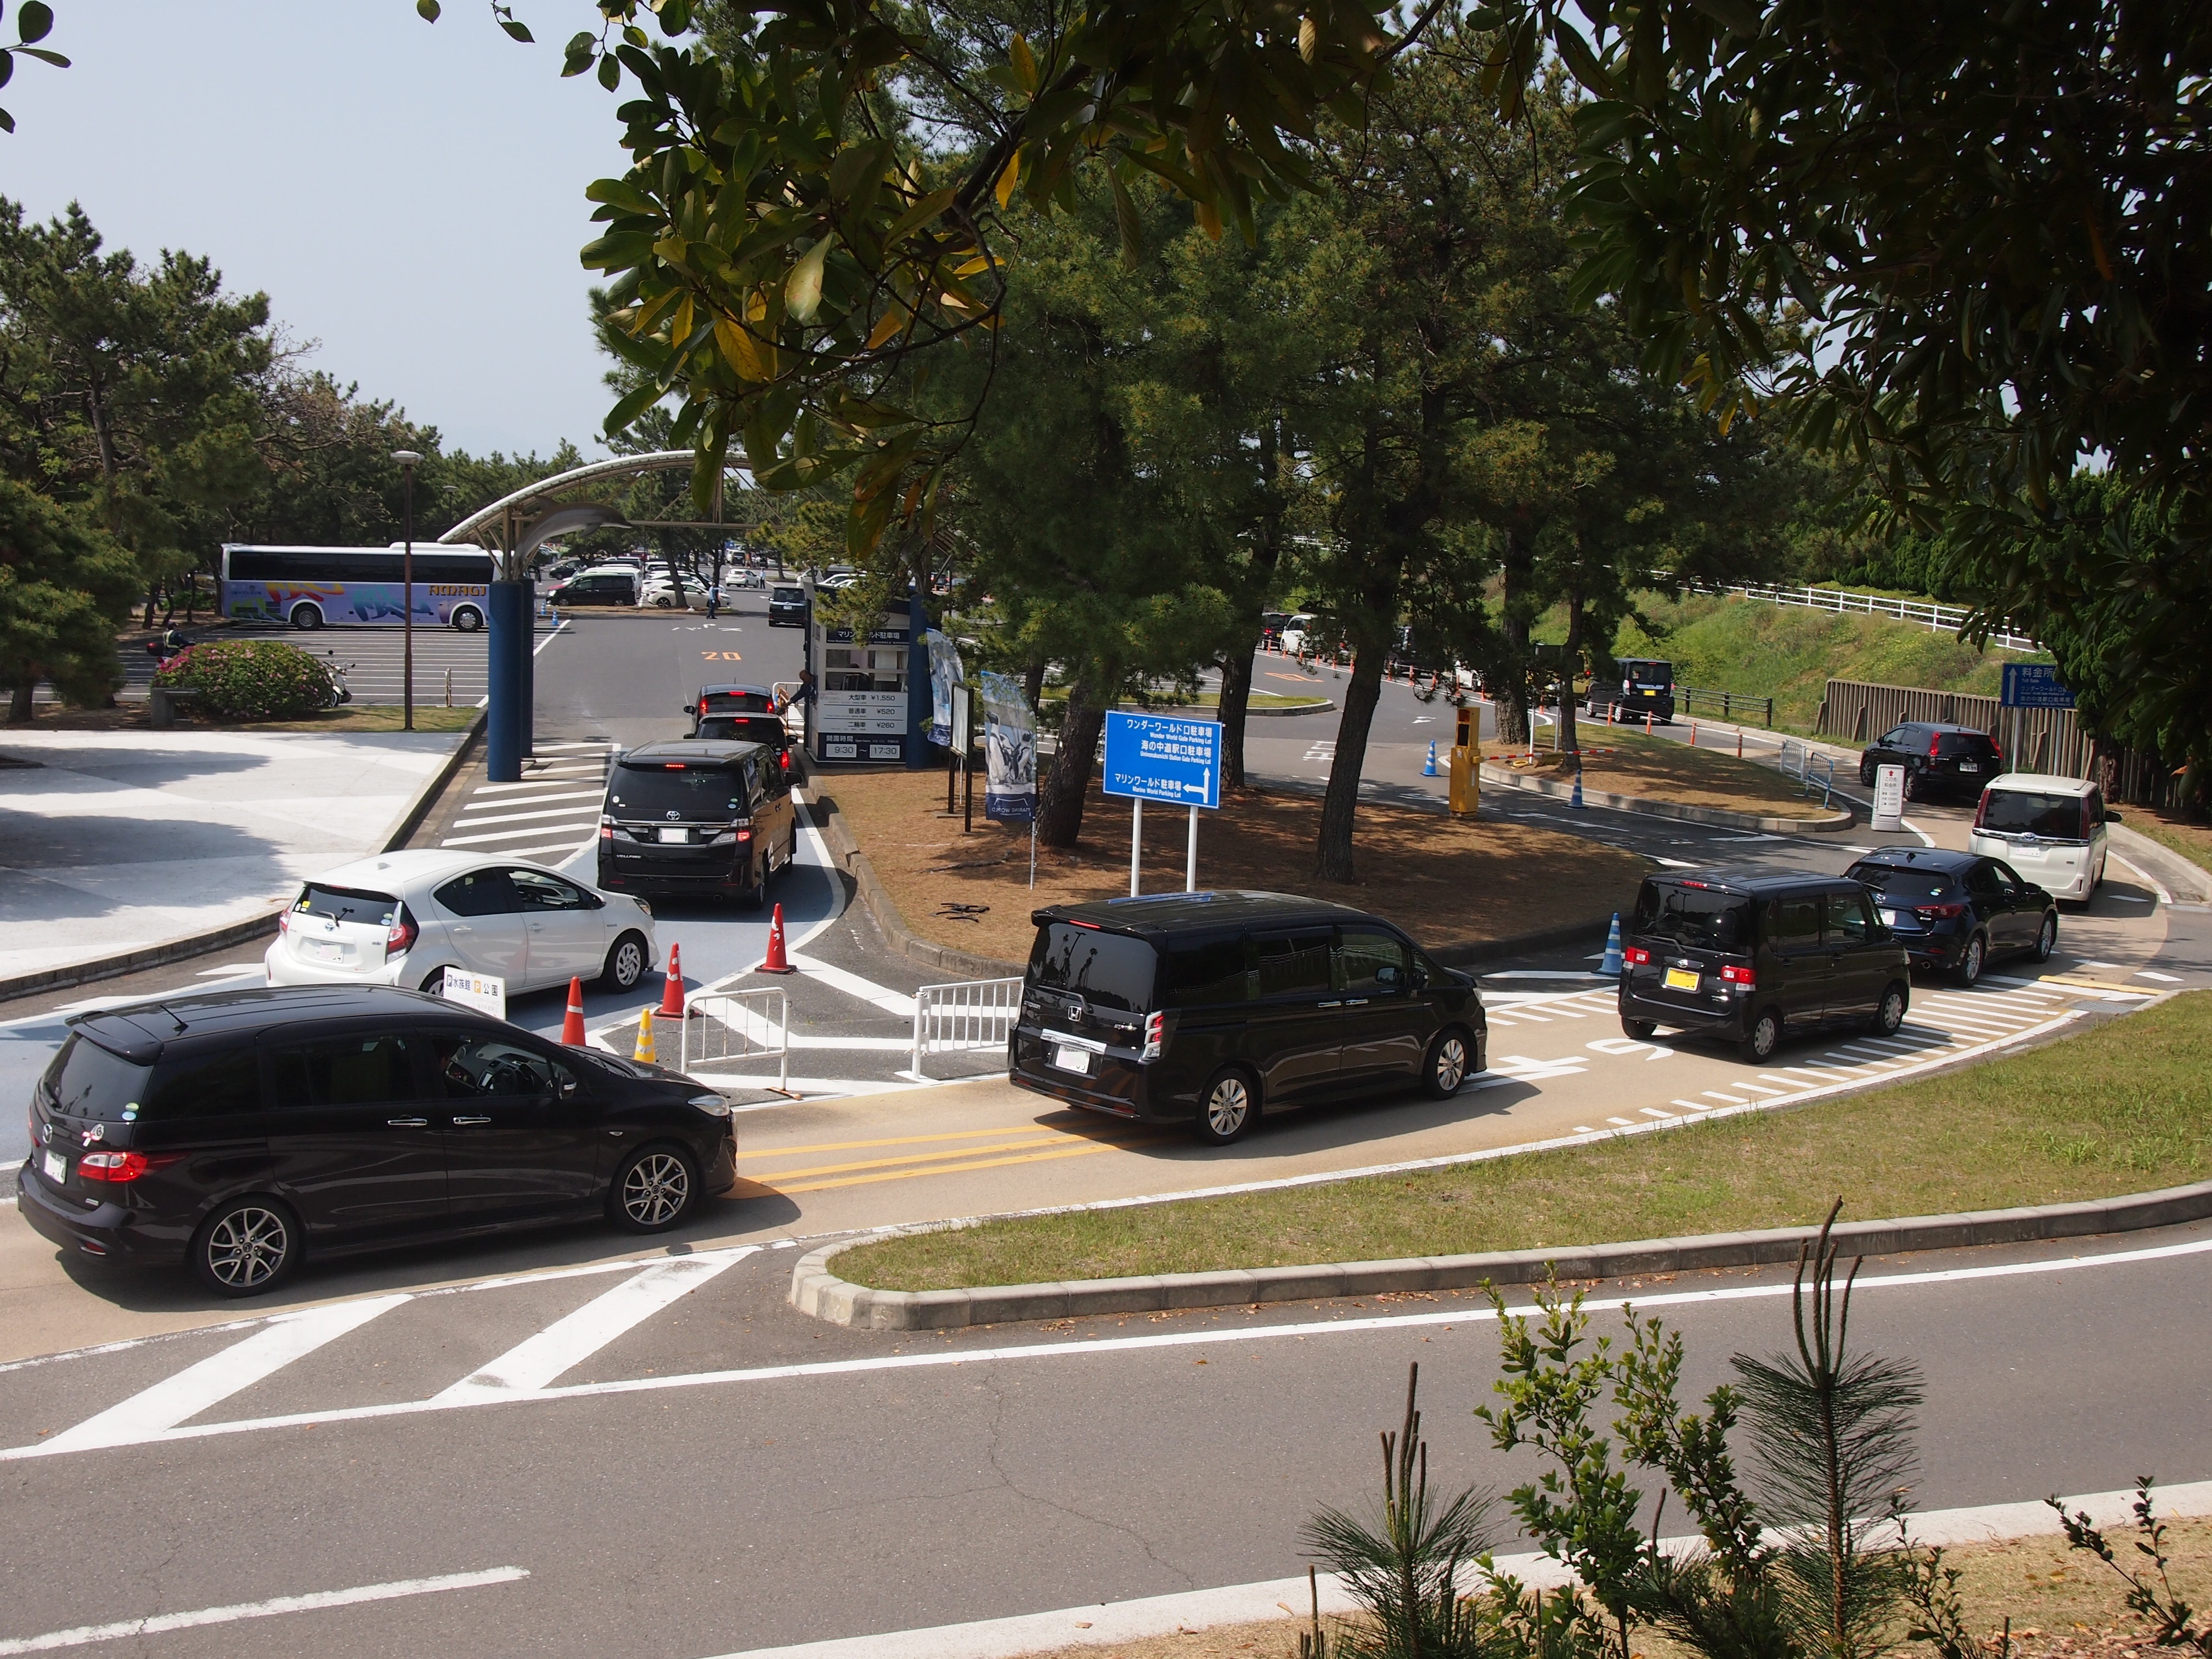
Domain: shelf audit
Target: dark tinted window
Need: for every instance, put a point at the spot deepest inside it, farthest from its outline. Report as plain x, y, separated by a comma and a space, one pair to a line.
737, 702
1982, 880
1848, 921
1902, 881
1111, 969
481, 893
759, 728
480, 1068
88, 1081
788, 595
2023, 813
1700, 917
1648, 673
226, 1085
2006, 873
1795, 923
1294, 964
348, 904
1968, 744
688, 791
1201, 975
359, 1071
1372, 962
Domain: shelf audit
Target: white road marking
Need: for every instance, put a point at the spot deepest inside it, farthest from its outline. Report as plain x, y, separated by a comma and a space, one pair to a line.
151, 1411
577, 813
160, 1623
1655, 1111
1693, 1105
1585, 1129
565, 1344
564, 794
823, 973
2163, 979
511, 835
2155, 884
1725, 1100
1926, 840
1621, 1122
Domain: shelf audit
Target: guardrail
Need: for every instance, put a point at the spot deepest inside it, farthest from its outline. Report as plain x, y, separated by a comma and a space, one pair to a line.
738, 1026
1926, 612
969, 1014
1730, 702
1811, 768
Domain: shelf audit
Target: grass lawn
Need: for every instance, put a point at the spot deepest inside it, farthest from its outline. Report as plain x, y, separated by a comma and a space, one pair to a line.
2060, 1601
366, 717
1625, 761
1444, 881
2172, 831
2126, 1107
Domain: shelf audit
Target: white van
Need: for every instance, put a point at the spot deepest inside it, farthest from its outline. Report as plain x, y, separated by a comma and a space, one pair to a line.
2049, 829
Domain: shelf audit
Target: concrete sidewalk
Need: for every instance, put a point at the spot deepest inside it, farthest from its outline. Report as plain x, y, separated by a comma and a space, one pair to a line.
112, 842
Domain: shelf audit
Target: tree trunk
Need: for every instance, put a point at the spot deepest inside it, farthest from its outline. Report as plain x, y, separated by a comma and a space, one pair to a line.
1066, 787
153, 597
19, 700
1237, 673
1033, 682
1510, 695
1236, 703
1567, 738
1333, 846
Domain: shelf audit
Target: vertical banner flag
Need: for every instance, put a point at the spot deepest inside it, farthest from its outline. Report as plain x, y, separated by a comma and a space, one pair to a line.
1009, 751
945, 674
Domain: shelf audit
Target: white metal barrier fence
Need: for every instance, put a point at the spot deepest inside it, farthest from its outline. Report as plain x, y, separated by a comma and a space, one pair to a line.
1809, 767
976, 1013
737, 1027
1926, 612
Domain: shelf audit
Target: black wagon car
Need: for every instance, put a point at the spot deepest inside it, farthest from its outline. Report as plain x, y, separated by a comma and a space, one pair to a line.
1939, 761
1752, 959
1207, 1009
239, 1131
787, 606
600, 587
743, 713
703, 817
1954, 911
1641, 686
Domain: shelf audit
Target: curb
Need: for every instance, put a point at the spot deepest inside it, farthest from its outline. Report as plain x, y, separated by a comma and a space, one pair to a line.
187, 946
815, 1290
2187, 882
1320, 706
1668, 809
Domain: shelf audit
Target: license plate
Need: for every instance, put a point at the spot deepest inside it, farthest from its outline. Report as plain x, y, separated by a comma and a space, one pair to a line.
1970, 766
56, 1166
325, 951
676, 835
1681, 979
1068, 1058
1889, 918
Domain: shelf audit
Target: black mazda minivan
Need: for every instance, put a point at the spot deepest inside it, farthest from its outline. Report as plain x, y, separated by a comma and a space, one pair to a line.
1209, 1008
237, 1131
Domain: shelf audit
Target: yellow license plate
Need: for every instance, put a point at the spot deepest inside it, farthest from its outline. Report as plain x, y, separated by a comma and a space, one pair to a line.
1681, 979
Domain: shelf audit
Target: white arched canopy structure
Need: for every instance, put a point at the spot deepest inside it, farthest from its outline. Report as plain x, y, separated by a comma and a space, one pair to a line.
542, 492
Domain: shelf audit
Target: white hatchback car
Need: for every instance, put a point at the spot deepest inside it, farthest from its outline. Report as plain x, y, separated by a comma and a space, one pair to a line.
403, 918
2048, 827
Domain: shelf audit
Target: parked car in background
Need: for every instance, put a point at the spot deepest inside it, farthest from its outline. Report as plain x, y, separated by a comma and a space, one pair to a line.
239, 1132
2049, 829
1207, 1009
1299, 634
1954, 912
1756, 958
1939, 760
698, 817
403, 918
787, 606
666, 591
600, 585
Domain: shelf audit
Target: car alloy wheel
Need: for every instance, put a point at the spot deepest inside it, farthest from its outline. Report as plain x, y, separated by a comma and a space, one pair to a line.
1866, 773
1229, 1109
1447, 1068
434, 984
1971, 960
2047, 940
1765, 1038
625, 965
245, 1249
654, 1191
1891, 1015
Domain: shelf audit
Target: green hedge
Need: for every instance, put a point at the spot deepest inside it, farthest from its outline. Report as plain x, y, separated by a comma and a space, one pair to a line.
250, 679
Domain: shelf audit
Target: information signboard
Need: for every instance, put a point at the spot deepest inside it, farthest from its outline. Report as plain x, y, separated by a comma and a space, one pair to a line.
2033, 685
1163, 758
486, 992
1888, 798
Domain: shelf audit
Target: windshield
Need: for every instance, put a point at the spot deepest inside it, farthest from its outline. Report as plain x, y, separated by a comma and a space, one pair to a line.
684, 792
1111, 969
1702, 918
1902, 881
348, 904
88, 1081
2017, 812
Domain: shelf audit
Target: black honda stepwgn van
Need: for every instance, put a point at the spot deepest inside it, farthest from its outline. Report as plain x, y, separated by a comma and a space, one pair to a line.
235, 1131
1208, 1008
698, 817
1753, 958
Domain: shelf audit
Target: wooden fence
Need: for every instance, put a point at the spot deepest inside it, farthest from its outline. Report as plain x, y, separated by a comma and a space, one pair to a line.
2032, 739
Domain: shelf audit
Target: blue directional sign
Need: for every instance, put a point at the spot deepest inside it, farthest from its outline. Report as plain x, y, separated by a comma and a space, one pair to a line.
1163, 758
2033, 685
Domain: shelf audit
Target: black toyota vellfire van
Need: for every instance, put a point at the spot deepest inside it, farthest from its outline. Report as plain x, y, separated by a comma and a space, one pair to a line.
1209, 1008
703, 817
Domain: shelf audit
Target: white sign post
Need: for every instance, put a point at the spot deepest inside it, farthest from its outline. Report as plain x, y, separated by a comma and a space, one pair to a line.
486, 992
1888, 798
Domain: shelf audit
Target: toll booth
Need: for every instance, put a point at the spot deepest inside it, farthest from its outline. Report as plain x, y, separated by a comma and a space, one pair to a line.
1466, 760
865, 695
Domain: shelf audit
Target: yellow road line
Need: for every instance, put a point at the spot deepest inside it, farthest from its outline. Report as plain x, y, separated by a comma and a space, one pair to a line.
949, 1169
918, 1157
2094, 985
910, 1140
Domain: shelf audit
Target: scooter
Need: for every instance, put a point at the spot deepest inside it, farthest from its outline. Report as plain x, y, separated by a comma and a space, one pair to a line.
342, 692
172, 643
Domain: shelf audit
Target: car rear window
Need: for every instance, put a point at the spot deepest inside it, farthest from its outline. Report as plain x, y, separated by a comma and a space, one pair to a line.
1650, 673
86, 1080
2022, 813
755, 728
1114, 970
689, 792
1973, 744
347, 904
737, 702
1703, 918
1902, 881
788, 595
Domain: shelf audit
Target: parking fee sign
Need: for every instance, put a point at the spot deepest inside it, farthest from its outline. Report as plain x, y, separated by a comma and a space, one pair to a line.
1162, 757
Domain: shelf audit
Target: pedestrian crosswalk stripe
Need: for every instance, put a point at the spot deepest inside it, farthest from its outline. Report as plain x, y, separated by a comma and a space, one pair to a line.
510, 800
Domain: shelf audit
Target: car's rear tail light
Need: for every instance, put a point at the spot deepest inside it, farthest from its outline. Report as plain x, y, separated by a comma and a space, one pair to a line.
401, 936
1938, 912
1731, 974
745, 834
1982, 811
121, 1166
283, 921
1636, 955
1155, 1029
1935, 740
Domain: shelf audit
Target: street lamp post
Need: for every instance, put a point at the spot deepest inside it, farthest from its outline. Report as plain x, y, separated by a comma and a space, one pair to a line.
409, 460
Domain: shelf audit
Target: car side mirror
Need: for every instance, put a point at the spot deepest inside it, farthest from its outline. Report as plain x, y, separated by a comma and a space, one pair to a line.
2110, 816
689, 710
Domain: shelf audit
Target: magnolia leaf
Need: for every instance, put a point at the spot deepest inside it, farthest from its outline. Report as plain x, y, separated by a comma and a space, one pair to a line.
739, 351
891, 322
1128, 219
428, 9
929, 207
632, 406
1025, 64
802, 293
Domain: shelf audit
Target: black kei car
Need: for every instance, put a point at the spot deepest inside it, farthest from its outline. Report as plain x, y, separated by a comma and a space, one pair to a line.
1206, 1009
1752, 959
1938, 760
1643, 687
697, 816
1954, 911
239, 1131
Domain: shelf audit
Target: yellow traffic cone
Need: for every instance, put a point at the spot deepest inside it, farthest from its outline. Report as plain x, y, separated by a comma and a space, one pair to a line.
643, 1053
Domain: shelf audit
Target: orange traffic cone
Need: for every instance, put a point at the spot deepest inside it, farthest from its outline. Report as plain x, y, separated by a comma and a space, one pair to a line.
777, 962
572, 1027
671, 998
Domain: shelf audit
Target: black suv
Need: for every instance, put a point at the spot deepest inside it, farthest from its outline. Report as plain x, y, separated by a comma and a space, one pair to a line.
787, 606
1954, 911
698, 817
236, 1131
1751, 957
1208, 1008
1938, 760
1644, 686
743, 713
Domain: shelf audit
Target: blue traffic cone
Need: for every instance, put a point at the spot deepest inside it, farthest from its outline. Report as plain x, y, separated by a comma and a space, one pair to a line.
1577, 799
1429, 767
1611, 965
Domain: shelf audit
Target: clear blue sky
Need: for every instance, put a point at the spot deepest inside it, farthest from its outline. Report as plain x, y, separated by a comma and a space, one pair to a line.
409, 196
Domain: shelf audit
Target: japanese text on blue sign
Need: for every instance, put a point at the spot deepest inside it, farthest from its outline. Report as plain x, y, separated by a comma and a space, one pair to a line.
1160, 757
2033, 685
